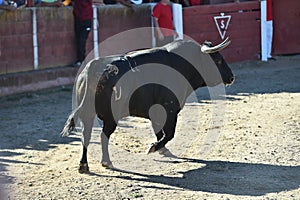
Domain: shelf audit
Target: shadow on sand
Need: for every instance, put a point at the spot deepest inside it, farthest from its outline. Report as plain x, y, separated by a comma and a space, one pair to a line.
31, 121
222, 177
253, 78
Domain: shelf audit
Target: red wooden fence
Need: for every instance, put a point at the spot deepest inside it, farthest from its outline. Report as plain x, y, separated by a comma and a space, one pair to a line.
243, 29
15, 41
286, 24
56, 36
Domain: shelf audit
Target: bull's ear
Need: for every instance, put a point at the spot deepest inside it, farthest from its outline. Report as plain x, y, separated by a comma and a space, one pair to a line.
212, 49
208, 43
112, 69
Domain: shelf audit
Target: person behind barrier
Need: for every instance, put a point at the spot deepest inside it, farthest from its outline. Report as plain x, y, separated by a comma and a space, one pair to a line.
83, 15
67, 2
163, 20
8, 5
128, 3
55, 3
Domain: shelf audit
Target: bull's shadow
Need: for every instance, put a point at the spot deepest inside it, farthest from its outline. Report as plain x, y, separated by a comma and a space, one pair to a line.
270, 77
233, 178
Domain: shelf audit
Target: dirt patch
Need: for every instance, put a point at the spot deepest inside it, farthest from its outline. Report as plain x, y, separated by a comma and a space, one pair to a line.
257, 154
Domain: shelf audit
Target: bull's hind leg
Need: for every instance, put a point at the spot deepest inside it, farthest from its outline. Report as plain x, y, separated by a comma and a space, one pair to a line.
164, 135
87, 131
108, 129
83, 166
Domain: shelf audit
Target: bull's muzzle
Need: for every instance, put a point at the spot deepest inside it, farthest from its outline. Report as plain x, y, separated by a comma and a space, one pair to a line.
230, 81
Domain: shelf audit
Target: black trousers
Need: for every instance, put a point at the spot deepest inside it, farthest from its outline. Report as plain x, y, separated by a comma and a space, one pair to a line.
82, 30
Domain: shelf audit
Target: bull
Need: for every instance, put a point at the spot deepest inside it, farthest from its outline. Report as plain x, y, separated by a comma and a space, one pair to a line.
152, 83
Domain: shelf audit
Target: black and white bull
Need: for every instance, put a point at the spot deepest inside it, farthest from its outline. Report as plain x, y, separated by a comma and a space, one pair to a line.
152, 83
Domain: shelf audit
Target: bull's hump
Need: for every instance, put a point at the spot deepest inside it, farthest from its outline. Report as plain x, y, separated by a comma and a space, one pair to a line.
143, 51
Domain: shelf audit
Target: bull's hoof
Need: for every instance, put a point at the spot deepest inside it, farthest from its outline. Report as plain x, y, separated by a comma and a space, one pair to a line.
166, 152
83, 168
151, 148
107, 165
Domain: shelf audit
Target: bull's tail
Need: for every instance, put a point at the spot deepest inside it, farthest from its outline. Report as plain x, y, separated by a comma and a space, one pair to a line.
73, 117
70, 124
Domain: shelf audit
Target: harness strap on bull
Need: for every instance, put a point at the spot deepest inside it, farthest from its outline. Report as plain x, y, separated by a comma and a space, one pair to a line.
131, 62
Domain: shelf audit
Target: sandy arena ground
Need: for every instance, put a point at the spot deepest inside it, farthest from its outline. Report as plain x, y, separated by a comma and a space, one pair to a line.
254, 155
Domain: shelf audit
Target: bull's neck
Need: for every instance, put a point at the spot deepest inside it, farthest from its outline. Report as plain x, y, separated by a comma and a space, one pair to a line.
172, 60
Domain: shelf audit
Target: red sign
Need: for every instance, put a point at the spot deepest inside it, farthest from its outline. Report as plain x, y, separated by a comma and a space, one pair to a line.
222, 23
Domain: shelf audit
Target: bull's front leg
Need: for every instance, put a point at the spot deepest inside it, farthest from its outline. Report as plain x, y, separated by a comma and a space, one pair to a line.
164, 136
108, 129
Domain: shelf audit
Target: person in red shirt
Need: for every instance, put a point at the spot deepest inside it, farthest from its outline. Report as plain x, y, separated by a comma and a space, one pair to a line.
83, 16
163, 20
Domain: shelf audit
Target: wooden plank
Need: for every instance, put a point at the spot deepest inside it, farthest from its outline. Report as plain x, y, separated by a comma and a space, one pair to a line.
210, 26
286, 27
220, 1
243, 29
252, 36
225, 8
240, 17
240, 54
206, 24
248, 21
3, 67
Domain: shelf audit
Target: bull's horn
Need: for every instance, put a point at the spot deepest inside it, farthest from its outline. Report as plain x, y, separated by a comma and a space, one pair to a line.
207, 49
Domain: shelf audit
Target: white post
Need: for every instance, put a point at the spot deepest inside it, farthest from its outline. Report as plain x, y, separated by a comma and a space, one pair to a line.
153, 26
95, 31
177, 19
34, 38
263, 11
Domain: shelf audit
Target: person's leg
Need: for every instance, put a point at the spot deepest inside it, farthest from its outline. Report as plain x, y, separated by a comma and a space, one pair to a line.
169, 39
166, 40
77, 37
84, 33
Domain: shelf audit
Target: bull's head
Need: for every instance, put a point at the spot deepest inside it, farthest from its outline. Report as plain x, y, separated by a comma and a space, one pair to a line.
218, 59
